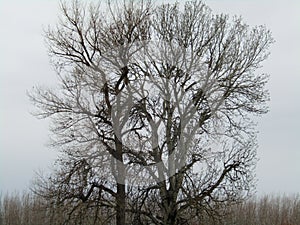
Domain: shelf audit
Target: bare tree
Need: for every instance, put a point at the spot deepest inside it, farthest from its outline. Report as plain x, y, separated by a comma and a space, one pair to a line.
161, 93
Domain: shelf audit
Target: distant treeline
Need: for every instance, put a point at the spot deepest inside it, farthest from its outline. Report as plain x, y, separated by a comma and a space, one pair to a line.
29, 209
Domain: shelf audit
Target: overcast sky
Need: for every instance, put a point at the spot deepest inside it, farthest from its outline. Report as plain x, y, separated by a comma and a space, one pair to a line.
24, 63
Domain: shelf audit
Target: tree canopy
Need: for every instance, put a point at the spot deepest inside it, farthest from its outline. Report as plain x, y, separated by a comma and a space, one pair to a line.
154, 113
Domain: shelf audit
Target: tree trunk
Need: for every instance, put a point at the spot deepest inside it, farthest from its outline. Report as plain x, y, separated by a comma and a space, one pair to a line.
120, 200
120, 196
170, 208
170, 215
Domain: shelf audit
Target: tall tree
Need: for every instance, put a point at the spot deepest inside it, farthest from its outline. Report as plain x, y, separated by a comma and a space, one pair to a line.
157, 92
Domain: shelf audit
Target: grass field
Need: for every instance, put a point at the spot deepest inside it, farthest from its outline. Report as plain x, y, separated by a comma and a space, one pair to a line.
27, 209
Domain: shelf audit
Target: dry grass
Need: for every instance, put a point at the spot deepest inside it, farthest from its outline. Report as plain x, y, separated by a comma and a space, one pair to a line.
27, 209
266, 210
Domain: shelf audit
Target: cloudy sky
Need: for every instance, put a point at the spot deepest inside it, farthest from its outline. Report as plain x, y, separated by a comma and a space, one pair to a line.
24, 63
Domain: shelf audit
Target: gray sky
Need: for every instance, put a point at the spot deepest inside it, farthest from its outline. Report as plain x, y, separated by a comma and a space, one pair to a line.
24, 63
